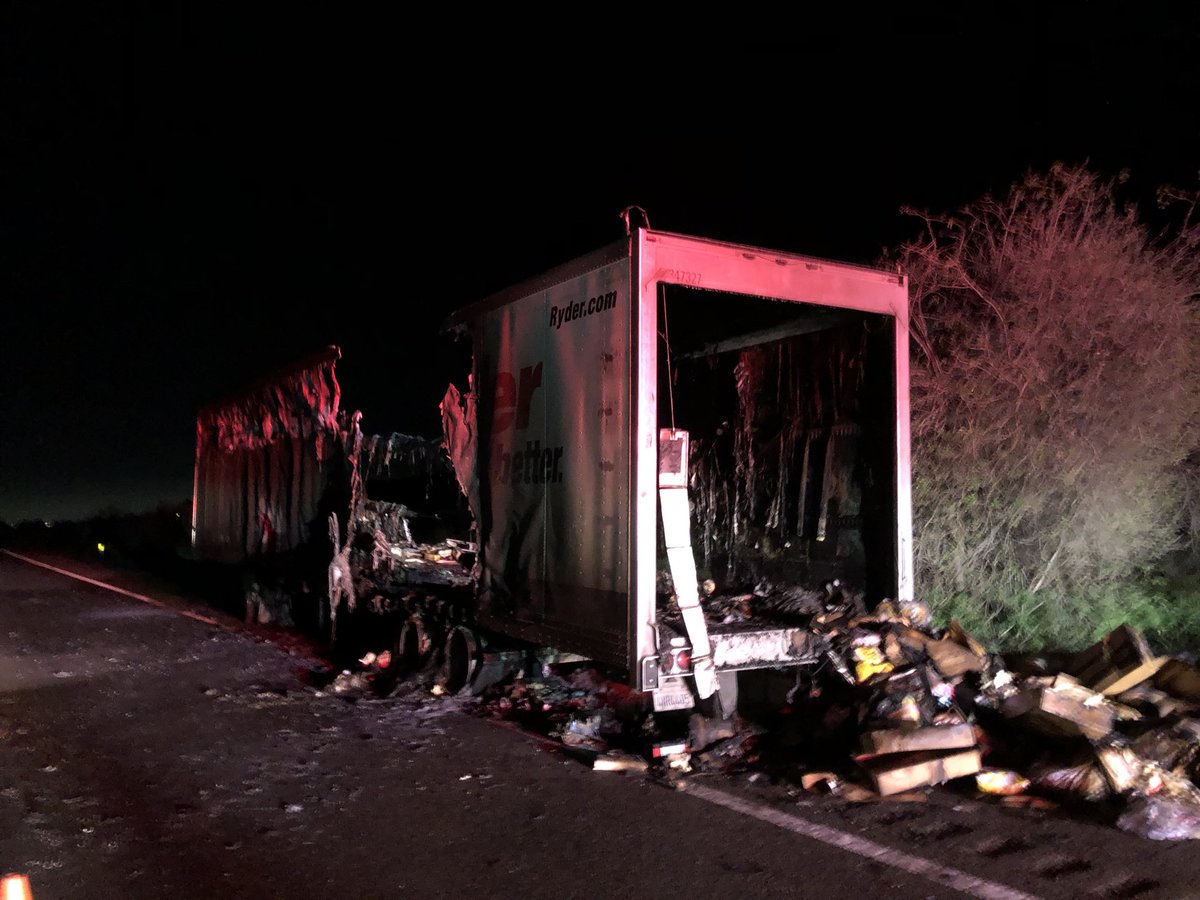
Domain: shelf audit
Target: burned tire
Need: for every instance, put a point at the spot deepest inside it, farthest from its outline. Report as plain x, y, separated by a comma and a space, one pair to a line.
461, 659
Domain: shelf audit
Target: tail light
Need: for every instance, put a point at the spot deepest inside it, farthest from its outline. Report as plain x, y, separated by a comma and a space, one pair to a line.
677, 661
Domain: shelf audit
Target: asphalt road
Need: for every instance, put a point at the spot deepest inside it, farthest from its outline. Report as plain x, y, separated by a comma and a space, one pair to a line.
144, 754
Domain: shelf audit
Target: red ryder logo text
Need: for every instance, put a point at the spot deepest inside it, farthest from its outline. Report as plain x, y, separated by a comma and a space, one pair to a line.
535, 464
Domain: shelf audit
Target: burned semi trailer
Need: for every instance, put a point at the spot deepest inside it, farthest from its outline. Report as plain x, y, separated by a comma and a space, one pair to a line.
292, 499
264, 477
680, 451
676, 455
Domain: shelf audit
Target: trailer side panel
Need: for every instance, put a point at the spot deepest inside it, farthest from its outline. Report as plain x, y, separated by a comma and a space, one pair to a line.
552, 373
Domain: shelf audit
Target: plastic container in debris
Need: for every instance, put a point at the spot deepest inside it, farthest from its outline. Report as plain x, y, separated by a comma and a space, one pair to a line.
1003, 782
1161, 819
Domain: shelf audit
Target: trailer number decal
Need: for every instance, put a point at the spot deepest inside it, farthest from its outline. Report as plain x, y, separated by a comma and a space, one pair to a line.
680, 276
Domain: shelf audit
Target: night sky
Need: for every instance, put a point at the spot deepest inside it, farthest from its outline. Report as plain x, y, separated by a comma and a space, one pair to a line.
190, 198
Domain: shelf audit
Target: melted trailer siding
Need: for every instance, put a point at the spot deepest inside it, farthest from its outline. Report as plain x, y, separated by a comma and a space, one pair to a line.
792, 461
262, 463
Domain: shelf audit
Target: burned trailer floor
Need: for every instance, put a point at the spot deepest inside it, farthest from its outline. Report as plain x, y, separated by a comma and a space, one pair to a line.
744, 632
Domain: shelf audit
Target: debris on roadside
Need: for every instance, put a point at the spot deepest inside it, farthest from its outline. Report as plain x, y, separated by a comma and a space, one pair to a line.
1113, 723
1119, 661
1113, 728
932, 737
1003, 782
616, 761
372, 676
1059, 707
820, 782
1083, 781
898, 772
1161, 819
1179, 680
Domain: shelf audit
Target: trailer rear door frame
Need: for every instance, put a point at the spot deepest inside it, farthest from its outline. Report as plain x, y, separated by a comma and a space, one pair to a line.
665, 258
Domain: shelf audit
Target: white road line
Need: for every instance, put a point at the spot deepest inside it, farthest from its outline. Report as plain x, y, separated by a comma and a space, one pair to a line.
111, 587
915, 865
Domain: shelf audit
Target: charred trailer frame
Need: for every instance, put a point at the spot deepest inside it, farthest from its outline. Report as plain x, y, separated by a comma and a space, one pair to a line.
280, 498
574, 378
269, 468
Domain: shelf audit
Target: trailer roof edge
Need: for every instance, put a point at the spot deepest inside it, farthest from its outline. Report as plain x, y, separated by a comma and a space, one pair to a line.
619, 249
325, 354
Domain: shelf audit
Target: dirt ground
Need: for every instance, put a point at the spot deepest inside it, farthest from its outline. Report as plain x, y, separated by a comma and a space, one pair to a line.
145, 754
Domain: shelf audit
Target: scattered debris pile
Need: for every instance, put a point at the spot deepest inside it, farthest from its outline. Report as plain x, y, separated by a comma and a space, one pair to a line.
913, 706
892, 706
1113, 727
1120, 729
898, 705
373, 676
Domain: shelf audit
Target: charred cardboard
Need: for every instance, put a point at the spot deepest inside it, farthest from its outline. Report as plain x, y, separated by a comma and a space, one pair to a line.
1118, 661
952, 659
904, 647
958, 634
897, 772
1179, 679
955, 654
1121, 766
908, 740
1062, 712
615, 761
1153, 701
1173, 748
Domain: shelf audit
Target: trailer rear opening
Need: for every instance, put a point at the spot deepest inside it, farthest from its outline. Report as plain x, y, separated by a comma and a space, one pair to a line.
789, 408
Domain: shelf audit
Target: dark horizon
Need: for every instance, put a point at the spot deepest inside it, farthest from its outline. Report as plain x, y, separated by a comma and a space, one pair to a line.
195, 199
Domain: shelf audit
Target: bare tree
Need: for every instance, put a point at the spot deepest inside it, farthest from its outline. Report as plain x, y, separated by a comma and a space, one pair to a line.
1055, 392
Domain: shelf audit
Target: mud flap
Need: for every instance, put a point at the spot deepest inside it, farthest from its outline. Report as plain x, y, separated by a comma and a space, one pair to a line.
677, 534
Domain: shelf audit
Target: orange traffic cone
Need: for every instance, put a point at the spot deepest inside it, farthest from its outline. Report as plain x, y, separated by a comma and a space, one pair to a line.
15, 887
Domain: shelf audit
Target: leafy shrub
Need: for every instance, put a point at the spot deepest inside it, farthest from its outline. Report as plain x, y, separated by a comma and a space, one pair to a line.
1055, 401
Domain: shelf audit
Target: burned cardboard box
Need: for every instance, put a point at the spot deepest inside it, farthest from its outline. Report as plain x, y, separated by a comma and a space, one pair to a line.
900, 699
1179, 679
954, 660
1174, 747
1117, 662
1059, 707
1155, 703
907, 740
897, 772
